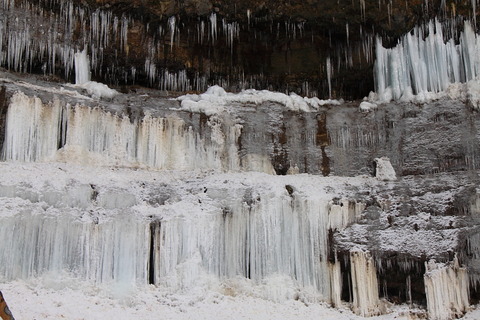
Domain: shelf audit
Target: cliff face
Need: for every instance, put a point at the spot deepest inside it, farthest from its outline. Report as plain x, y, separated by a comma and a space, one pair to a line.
323, 48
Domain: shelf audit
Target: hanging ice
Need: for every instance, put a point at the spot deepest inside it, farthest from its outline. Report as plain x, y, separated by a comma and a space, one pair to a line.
46, 132
418, 66
82, 67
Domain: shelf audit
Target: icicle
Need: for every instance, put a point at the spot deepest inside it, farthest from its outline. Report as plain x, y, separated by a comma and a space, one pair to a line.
348, 34
336, 284
362, 9
343, 214
329, 77
171, 25
213, 27
418, 65
34, 132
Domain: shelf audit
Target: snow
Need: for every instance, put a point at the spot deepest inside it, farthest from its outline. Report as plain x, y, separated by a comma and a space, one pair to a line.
35, 300
366, 106
98, 90
216, 100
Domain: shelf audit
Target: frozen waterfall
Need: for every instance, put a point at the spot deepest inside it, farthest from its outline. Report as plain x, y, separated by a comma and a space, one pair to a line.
128, 230
47, 132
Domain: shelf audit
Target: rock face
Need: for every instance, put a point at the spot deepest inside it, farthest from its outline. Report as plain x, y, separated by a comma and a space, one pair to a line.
322, 48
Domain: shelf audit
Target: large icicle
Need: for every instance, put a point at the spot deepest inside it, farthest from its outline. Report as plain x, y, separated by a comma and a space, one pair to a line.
447, 290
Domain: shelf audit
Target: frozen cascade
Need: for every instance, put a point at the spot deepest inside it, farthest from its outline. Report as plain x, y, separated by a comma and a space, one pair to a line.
418, 66
256, 239
446, 287
56, 241
46, 132
269, 237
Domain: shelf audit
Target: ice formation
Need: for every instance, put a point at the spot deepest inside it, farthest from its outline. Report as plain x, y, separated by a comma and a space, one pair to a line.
46, 132
82, 67
126, 229
364, 284
63, 29
446, 286
425, 66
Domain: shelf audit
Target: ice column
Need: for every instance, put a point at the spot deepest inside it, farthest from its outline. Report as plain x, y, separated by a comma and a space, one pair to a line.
446, 287
82, 67
366, 301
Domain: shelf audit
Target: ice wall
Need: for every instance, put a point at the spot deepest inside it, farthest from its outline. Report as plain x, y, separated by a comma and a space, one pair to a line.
447, 290
39, 242
47, 132
418, 64
259, 240
253, 238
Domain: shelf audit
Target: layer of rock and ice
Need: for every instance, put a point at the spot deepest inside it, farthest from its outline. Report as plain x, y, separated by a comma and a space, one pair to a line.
187, 217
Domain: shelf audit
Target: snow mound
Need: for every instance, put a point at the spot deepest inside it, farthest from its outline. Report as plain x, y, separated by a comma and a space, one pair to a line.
98, 90
366, 107
216, 99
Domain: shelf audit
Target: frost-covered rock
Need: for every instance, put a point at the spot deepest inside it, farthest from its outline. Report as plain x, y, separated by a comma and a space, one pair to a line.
384, 170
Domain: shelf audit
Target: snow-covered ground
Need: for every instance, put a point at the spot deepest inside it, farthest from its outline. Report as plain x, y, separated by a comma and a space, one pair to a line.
32, 300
